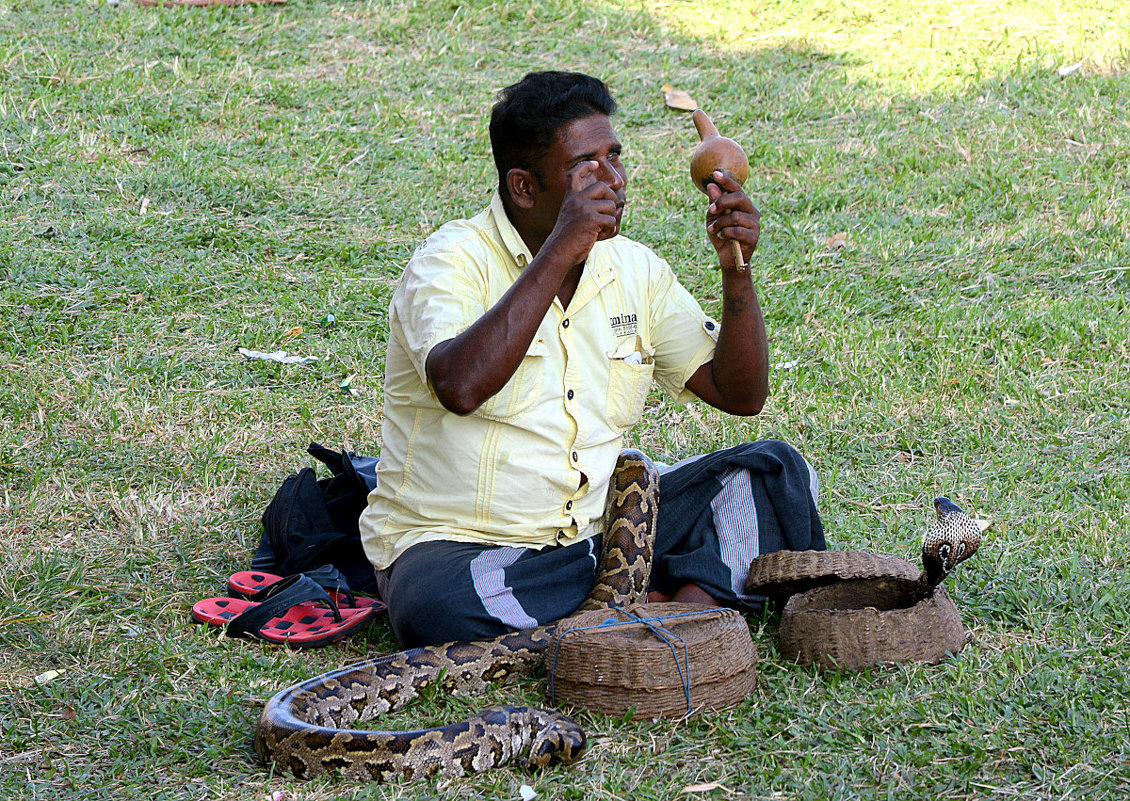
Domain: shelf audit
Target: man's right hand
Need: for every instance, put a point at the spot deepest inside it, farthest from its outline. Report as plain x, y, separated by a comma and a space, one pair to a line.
590, 211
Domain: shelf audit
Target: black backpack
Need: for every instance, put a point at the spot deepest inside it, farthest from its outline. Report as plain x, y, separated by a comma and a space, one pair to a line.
312, 522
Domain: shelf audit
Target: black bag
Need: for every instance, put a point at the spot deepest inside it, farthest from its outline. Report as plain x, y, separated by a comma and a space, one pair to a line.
312, 522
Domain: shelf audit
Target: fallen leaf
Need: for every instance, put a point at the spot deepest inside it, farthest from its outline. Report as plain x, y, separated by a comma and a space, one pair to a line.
704, 788
69, 713
837, 241
295, 332
1069, 69
678, 99
144, 205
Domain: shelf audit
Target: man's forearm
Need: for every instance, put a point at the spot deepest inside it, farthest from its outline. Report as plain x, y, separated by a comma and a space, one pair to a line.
737, 380
467, 370
741, 360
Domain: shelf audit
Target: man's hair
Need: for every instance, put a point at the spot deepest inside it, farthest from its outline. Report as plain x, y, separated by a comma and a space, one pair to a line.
528, 114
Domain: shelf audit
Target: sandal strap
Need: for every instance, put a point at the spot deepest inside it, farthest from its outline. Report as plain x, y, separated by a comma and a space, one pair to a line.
330, 578
327, 577
276, 599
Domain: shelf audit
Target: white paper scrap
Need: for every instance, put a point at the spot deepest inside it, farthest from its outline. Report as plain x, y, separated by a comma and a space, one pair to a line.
279, 356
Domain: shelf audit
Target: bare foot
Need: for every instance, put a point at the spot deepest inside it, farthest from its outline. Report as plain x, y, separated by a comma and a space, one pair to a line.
691, 593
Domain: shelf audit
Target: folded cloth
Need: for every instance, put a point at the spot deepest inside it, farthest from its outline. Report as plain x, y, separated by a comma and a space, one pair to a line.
719, 511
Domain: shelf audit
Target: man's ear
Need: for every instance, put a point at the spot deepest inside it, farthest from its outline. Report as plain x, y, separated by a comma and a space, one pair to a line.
521, 184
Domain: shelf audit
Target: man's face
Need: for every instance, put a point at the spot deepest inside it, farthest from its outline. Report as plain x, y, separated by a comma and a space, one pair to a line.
583, 139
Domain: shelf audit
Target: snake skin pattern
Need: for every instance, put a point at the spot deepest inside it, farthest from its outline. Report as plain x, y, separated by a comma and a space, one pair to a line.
952, 538
315, 727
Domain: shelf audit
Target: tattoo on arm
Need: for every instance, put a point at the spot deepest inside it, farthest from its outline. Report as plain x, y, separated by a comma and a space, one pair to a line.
736, 305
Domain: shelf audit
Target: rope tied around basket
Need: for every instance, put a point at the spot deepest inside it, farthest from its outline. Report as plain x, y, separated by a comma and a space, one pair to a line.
654, 625
638, 658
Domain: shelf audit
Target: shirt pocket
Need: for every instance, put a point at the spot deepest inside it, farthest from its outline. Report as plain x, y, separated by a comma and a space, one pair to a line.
628, 385
523, 391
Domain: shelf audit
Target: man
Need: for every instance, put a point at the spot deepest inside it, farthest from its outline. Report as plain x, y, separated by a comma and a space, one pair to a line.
523, 345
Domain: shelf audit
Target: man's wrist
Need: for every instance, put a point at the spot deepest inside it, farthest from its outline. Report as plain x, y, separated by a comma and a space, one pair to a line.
742, 270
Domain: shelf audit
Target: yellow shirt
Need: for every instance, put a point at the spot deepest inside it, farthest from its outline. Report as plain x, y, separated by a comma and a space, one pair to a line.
510, 472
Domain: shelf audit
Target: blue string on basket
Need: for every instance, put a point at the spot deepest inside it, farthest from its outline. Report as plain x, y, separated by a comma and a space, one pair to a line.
652, 624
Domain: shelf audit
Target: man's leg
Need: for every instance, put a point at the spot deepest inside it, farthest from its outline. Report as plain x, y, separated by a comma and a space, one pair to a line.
719, 511
446, 591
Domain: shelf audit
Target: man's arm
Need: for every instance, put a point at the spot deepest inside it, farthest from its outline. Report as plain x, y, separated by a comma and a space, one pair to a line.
468, 369
737, 380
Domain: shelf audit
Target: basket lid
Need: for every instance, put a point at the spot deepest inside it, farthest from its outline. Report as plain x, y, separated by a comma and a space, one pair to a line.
784, 573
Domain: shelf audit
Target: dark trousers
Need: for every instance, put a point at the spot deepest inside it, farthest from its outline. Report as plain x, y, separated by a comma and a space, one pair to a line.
716, 513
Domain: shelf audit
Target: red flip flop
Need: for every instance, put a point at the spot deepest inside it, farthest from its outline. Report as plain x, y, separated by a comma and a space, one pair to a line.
285, 616
250, 583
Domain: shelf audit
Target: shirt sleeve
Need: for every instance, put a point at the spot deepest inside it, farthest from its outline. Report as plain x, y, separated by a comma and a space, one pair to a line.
440, 295
682, 335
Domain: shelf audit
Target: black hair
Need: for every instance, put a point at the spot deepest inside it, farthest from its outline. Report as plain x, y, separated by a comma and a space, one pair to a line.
528, 114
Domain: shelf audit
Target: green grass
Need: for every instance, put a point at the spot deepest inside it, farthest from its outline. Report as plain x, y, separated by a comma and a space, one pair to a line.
177, 183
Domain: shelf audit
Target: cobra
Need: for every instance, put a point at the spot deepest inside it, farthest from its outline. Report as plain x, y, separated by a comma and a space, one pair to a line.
953, 537
317, 726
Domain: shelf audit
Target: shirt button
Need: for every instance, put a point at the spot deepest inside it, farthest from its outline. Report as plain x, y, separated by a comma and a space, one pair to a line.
574, 456
568, 505
708, 325
569, 394
565, 323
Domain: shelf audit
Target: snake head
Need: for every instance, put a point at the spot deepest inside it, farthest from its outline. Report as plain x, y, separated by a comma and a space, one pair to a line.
952, 538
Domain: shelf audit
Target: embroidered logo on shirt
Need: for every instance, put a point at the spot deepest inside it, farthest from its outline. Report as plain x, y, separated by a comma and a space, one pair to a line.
623, 325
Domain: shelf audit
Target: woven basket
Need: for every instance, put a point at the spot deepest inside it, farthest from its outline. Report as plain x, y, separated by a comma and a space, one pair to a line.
781, 574
851, 610
864, 622
702, 652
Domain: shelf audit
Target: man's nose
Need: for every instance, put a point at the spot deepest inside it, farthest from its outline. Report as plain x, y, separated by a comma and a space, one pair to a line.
610, 175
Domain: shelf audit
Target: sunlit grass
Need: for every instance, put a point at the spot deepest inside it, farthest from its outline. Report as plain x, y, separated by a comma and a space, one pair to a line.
178, 183
921, 46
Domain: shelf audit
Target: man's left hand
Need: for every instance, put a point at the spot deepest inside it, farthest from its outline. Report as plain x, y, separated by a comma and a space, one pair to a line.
731, 217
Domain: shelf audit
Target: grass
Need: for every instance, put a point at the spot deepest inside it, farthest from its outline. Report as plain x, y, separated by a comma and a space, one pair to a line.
177, 183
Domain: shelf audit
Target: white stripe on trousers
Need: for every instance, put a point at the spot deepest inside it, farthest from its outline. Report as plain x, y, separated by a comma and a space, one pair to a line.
488, 574
735, 523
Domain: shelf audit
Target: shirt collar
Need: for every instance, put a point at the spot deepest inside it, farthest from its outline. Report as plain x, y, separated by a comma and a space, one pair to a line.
597, 266
510, 236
